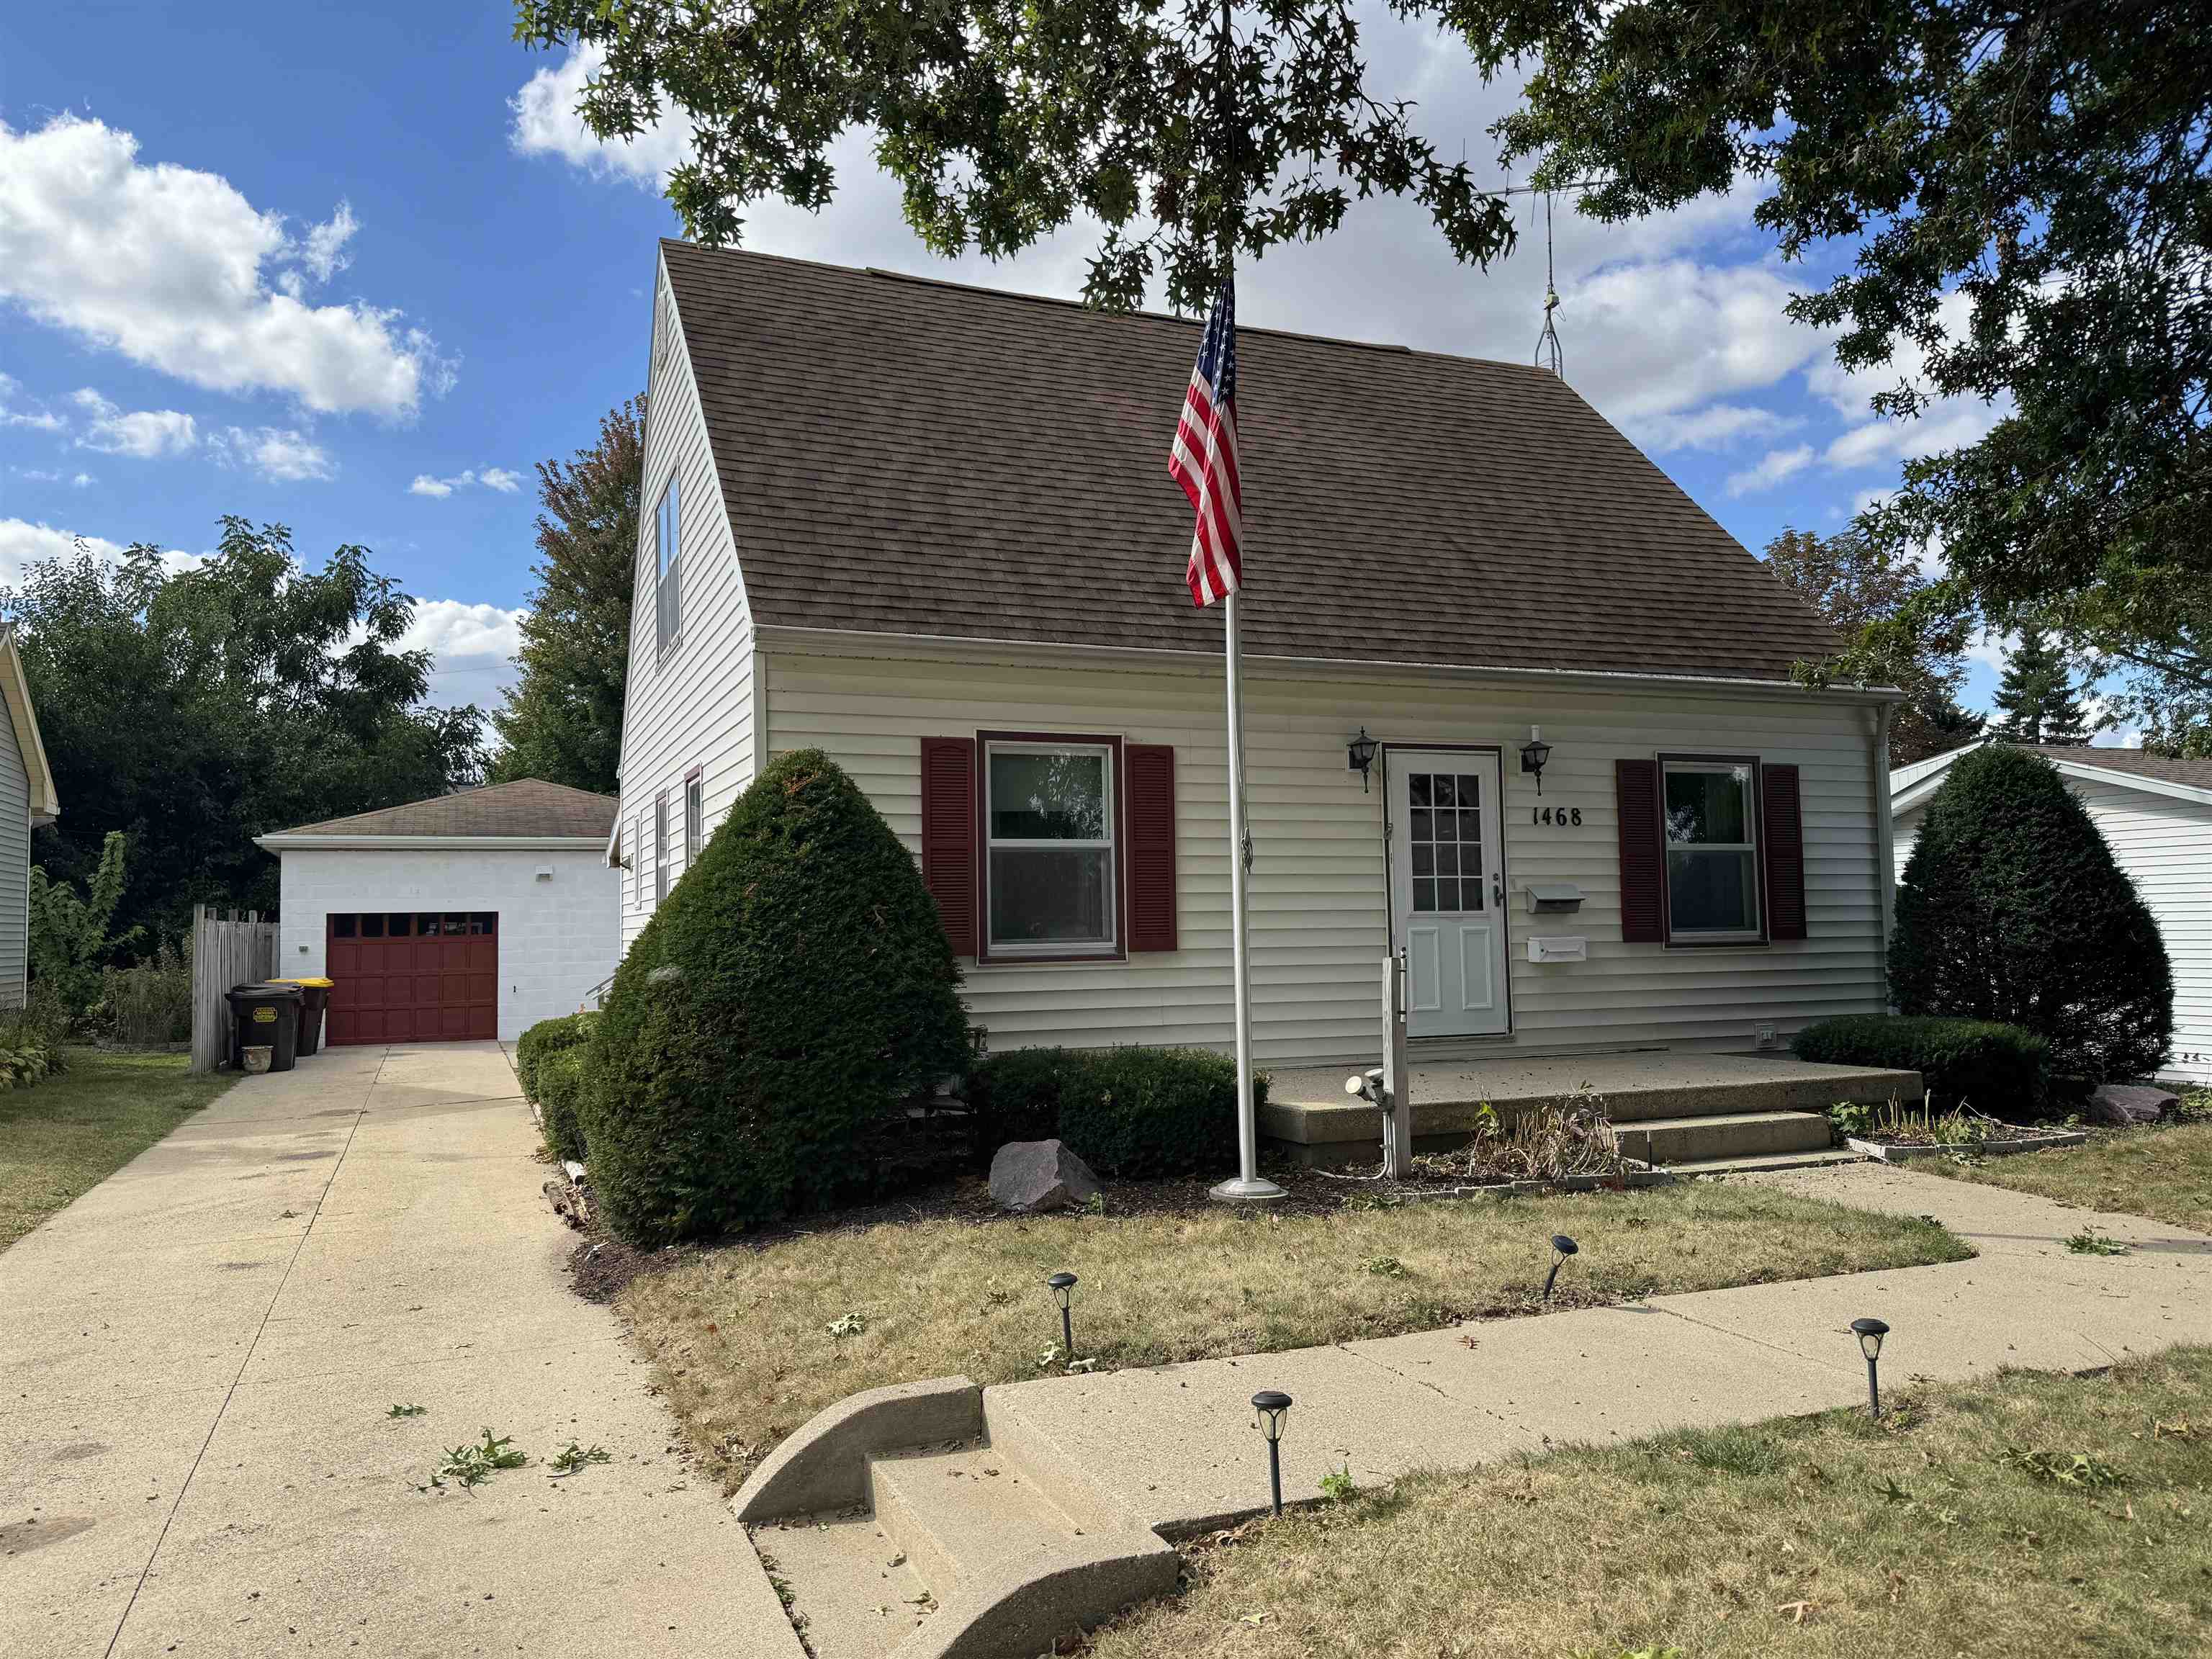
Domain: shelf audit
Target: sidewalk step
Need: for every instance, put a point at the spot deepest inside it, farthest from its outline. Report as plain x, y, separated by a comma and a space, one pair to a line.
850, 1591
955, 1513
1759, 1163
1678, 1140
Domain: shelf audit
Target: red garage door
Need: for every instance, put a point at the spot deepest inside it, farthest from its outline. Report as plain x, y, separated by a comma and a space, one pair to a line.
413, 977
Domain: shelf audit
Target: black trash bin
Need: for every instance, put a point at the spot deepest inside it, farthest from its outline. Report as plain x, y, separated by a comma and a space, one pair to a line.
266, 1016
314, 997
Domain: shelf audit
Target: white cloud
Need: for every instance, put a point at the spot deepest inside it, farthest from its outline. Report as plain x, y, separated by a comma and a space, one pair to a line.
1944, 423
175, 270
81, 480
546, 123
38, 420
144, 435
22, 542
1716, 426
323, 254
469, 646
1772, 468
491, 477
280, 454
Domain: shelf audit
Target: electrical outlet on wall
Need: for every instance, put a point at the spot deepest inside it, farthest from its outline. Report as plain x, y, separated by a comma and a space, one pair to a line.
1762, 1034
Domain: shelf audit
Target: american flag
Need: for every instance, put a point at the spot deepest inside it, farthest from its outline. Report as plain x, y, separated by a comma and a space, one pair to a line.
1204, 458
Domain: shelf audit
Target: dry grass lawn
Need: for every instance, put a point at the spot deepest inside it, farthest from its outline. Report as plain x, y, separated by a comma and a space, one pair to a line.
751, 1341
67, 1134
2164, 1171
1930, 1536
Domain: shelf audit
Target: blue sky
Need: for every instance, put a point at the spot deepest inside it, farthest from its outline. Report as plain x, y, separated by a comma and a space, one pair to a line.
356, 269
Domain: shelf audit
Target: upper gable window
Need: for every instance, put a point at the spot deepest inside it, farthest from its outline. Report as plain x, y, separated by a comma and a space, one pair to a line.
668, 585
664, 332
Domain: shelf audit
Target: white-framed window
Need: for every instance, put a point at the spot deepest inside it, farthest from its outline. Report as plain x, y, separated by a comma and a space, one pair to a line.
637, 862
668, 580
664, 333
1712, 848
659, 848
1051, 881
695, 817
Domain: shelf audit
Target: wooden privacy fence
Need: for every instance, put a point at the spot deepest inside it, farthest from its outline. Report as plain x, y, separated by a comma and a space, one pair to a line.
233, 948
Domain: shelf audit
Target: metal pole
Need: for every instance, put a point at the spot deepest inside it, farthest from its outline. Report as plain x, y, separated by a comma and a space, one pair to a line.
1397, 1074
1873, 1390
1067, 1331
1248, 1184
1275, 1472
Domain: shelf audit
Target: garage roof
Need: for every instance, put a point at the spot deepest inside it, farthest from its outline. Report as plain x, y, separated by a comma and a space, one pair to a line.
528, 809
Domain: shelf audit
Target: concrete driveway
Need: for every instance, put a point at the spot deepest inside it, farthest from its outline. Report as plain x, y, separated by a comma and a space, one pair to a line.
198, 1360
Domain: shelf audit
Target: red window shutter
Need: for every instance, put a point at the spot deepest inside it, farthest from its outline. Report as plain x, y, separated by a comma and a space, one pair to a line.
1643, 854
1783, 839
1152, 831
948, 836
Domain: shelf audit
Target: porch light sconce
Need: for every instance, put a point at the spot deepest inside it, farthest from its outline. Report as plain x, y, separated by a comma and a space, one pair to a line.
1533, 754
1870, 1333
1562, 1247
1269, 1408
1063, 1291
1360, 751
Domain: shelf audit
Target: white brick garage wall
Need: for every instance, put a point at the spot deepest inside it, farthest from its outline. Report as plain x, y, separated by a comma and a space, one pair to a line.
557, 936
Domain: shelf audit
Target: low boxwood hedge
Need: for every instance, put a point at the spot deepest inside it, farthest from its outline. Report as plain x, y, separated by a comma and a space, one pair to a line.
559, 1091
549, 1037
1999, 1069
1131, 1112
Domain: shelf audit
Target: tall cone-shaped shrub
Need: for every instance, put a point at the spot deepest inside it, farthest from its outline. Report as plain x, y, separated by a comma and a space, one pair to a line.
762, 1030
2013, 910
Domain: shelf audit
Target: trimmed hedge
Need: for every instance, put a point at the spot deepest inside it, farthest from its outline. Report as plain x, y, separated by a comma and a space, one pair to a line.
1998, 1068
559, 1093
549, 1037
1131, 1112
2013, 910
767, 1025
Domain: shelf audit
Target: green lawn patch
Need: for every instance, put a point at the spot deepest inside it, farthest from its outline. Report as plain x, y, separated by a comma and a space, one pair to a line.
70, 1132
752, 1339
2160, 1170
2035, 1516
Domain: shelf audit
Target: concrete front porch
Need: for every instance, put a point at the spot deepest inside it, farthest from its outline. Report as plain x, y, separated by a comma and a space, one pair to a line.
1684, 1109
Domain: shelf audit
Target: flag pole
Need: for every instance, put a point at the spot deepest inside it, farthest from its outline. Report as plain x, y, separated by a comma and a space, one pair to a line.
1249, 1184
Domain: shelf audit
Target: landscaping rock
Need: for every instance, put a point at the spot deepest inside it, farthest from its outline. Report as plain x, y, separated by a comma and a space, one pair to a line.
2127, 1104
1040, 1175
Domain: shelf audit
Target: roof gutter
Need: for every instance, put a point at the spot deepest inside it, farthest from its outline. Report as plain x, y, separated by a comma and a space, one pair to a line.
291, 844
962, 648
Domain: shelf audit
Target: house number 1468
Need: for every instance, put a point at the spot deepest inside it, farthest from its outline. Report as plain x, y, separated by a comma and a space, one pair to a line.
1557, 817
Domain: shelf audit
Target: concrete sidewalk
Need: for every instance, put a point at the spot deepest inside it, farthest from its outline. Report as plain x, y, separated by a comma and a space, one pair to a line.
1178, 1444
198, 1358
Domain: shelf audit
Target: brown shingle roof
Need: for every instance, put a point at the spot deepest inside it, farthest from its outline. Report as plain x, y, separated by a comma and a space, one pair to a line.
2197, 774
526, 807
906, 456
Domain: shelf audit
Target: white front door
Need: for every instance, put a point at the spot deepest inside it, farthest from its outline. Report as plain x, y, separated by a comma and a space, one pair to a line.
1447, 889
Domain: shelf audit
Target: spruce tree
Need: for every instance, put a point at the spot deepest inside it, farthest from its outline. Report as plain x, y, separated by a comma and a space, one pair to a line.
2036, 695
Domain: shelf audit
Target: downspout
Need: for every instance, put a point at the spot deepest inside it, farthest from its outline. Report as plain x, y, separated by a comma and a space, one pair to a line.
1884, 836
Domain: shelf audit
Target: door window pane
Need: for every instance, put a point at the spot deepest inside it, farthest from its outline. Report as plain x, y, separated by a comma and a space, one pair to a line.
426, 926
1445, 840
372, 926
396, 926
484, 921
342, 927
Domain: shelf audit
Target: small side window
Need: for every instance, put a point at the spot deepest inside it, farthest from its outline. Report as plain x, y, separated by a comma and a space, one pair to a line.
695, 813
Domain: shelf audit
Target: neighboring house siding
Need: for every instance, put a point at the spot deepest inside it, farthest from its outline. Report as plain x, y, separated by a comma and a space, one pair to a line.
15, 867
2165, 844
1318, 925
691, 706
555, 936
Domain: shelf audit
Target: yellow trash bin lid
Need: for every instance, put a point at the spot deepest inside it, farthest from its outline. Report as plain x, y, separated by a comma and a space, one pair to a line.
308, 979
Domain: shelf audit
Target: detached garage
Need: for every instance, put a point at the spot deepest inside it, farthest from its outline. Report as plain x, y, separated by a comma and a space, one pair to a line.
474, 915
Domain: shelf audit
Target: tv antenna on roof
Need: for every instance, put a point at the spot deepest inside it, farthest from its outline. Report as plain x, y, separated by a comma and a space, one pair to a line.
1548, 355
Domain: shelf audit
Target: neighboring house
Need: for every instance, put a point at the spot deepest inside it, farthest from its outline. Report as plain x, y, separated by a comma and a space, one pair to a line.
930, 530
475, 915
2156, 816
26, 801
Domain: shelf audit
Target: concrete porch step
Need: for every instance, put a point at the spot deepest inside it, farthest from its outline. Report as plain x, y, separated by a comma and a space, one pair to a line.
846, 1585
1677, 1141
956, 1512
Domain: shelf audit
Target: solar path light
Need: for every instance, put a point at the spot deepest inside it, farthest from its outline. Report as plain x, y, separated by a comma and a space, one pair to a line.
1562, 1247
1063, 1291
1269, 1408
1870, 1333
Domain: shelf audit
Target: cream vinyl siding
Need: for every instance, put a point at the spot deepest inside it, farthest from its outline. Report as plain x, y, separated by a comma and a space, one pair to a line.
2164, 843
1319, 926
690, 704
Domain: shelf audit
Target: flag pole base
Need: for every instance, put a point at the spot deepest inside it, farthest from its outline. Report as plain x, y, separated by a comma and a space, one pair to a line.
1237, 1190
